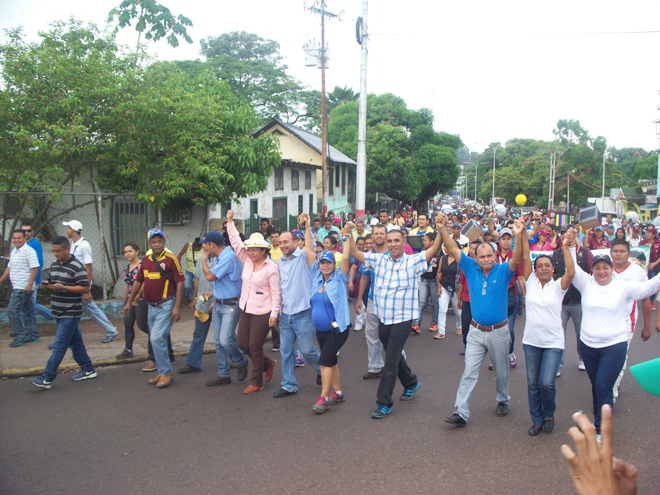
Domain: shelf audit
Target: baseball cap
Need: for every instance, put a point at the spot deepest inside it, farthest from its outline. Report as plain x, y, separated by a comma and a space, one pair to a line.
456, 224
564, 228
505, 231
651, 228
214, 237
374, 221
636, 228
154, 232
598, 228
610, 226
543, 232
602, 257
327, 256
74, 224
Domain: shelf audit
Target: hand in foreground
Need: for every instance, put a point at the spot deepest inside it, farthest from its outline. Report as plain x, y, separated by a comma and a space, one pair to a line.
126, 310
358, 307
88, 297
594, 470
303, 219
176, 314
272, 321
230, 215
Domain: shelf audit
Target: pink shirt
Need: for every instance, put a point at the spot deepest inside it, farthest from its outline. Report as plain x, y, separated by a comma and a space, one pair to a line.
261, 292
407, 249
536, 247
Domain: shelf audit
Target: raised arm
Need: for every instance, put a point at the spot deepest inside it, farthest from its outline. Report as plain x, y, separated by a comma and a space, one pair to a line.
569, 245
518, 231
235, 239
526, 256
310, 243
535, 228
345, 264
450, 244
350, 248
437, 243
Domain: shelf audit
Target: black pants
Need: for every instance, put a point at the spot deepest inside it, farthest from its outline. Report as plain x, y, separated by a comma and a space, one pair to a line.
330, 345
466, 319
140, 314
393, 338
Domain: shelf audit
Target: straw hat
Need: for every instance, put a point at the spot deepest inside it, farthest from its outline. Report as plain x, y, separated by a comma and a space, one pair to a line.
257, 240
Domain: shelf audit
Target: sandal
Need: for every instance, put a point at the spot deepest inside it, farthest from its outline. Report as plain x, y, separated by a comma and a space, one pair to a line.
459, 332
439, 336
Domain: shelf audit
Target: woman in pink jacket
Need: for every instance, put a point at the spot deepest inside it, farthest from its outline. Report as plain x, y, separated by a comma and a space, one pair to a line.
259, 303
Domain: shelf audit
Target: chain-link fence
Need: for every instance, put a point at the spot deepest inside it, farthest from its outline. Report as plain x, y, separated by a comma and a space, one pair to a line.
109, 222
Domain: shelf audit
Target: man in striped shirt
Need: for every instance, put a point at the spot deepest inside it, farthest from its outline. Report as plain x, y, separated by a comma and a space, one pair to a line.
22, 270
67, 282
396, 297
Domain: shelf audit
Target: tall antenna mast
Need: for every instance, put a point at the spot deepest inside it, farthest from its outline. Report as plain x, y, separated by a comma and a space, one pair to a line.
361, 34
319, 7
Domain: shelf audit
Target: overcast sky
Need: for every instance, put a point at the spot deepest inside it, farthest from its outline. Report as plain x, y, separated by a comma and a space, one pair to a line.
490, 71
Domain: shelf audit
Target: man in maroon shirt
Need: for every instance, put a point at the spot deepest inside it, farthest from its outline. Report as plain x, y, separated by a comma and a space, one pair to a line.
163, 281
653, 268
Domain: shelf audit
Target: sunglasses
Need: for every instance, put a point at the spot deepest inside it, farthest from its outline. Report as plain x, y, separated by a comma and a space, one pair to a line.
485, 286
27, 230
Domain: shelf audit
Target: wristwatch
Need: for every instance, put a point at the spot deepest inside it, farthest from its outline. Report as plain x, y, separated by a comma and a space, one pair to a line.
346, 237
63, 288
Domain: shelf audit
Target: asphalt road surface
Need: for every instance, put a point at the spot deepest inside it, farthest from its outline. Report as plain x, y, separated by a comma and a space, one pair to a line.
117, 434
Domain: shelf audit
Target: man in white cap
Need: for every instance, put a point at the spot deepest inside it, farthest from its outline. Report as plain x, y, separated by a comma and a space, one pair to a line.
82, 251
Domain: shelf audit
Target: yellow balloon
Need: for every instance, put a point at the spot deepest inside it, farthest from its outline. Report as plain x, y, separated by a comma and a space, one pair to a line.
521, 199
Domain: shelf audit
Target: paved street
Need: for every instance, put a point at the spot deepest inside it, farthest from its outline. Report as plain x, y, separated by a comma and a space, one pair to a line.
117, 434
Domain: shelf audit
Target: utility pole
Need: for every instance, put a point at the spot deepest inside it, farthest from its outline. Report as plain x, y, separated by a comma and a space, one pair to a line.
319, 7
361, 33
604, 157
551, 188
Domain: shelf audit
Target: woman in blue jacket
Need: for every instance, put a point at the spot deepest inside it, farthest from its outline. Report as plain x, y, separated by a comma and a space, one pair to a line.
330, 316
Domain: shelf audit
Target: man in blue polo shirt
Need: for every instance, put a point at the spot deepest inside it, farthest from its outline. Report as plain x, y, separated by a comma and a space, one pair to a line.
227, 284
489, 329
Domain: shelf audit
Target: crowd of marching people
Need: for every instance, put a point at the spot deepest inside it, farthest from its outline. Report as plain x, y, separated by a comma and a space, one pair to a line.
299, 287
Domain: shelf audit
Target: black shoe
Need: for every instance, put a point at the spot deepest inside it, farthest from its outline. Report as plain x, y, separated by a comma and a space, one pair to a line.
502, 409
370, 375
456, 420
549, 425
283, 393
534, 430
18, 341
242, 372
125, 354
218, 380
318, 380
188, 369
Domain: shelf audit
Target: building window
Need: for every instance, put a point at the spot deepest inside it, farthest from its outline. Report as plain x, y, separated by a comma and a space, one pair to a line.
300, 204
131, 222
336, 167
254, 208
308, 179
279, 179
294, 179
331, 189
343, 179
311, 204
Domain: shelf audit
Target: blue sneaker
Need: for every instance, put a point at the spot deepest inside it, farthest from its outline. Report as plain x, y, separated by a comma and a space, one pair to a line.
381, 411
300, 361
110, 338
29, 340
41, 382
83, 375
18, 341
408, 393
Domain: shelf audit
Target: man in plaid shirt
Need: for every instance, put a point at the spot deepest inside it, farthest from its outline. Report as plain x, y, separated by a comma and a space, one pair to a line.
396, 295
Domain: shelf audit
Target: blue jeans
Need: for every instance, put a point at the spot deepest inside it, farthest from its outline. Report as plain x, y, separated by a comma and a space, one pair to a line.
573, 311
196, 351
428, 288
495, 342
297, 327
189, 284
225, 319
100, 317
512, 303
42, 310
542, 366
22, 319
68, 335
603, 366
160, 325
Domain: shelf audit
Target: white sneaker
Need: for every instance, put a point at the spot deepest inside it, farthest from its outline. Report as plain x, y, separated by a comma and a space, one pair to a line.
581, 366
559, 373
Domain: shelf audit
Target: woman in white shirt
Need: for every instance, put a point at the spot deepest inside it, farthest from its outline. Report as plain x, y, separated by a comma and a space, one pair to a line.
543, 336
603, 334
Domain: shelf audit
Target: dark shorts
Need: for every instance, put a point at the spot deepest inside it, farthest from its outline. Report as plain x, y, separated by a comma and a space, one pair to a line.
330, 345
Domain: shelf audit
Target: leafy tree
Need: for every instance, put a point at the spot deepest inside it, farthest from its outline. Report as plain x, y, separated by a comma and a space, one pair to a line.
406, 158
646, 169
339, 96
152, 17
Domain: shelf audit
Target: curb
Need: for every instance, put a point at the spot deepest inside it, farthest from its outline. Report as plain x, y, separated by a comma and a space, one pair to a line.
26, 372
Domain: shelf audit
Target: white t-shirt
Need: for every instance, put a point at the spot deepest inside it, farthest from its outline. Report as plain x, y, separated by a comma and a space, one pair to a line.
634, 242
606, 307
543, 322
21, 263
82, 251
634, 273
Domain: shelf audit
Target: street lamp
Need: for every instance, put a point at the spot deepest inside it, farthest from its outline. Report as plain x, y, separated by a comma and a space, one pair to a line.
494, 154
476, 166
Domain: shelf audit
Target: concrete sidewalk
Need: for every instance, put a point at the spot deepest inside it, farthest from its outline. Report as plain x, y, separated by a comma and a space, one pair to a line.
31, 359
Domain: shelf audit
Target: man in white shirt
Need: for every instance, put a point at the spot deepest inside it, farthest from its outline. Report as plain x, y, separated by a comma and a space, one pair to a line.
82, 251
624, 269
22, 270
